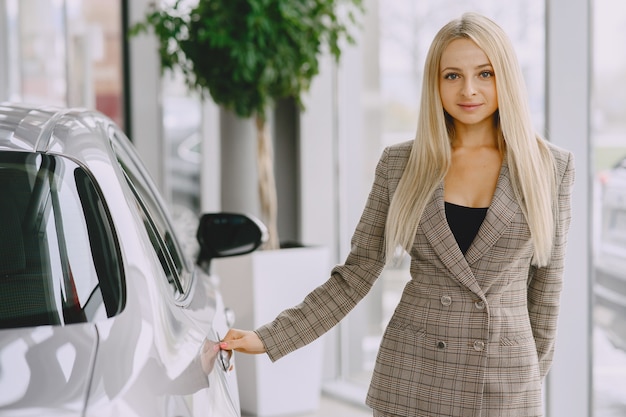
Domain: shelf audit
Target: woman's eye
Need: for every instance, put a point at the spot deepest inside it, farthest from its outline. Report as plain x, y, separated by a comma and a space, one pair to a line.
451, 76
486, 74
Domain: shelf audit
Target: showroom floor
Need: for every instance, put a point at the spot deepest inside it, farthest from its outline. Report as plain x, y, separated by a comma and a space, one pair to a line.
331, 407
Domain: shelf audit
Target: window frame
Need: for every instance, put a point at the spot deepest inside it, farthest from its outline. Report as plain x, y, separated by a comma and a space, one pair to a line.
53, 241
157, 223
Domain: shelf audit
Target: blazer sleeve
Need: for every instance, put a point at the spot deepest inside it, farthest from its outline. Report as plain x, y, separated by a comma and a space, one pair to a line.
325, 306
545, 283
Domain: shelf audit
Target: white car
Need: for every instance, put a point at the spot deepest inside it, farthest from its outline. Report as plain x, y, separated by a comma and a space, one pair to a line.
101, 311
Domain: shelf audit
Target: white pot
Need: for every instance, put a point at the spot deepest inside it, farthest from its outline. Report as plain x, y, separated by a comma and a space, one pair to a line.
258, 286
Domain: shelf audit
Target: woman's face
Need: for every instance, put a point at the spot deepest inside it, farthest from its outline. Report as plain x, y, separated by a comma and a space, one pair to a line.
467, 84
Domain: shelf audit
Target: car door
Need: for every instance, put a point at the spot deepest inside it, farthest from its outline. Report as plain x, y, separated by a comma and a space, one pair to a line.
195, 301
59, 276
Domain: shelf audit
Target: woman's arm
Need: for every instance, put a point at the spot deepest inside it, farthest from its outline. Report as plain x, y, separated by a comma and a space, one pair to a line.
326, 305
545, 283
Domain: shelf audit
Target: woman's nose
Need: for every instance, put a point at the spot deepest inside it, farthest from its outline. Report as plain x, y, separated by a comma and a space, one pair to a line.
468, 87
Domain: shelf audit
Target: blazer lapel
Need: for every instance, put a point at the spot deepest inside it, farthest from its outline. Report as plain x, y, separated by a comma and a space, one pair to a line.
501, 212
435, 226
436, 229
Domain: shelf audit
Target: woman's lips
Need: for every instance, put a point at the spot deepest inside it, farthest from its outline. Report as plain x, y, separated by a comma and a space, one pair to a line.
469, 106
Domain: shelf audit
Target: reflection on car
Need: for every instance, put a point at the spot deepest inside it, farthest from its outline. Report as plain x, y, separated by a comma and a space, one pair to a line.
101, 312
610, 255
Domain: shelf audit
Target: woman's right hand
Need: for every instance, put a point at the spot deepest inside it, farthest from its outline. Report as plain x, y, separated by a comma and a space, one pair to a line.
244, 341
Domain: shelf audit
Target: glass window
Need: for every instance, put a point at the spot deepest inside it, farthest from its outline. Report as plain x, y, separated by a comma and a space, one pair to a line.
182, 125
41, 51
156, 220
609, 211
60, 260
62, 52
94, 42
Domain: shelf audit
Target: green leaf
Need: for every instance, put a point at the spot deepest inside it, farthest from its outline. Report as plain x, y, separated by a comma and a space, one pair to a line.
247, 54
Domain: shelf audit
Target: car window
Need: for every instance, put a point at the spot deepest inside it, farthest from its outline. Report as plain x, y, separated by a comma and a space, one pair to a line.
60, 260
160, 248
155, 218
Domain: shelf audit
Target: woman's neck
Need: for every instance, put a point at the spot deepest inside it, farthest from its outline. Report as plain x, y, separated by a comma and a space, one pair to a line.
481, 136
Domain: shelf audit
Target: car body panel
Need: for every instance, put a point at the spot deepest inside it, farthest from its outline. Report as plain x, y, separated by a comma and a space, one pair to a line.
46, 368
156, 357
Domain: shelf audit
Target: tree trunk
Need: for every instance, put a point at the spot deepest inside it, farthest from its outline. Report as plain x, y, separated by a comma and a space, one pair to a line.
267, 182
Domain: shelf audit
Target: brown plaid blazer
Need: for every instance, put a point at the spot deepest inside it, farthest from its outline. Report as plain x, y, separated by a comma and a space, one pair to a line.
472, 335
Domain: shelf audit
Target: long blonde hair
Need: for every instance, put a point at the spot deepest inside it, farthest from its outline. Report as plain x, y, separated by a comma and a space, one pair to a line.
530, 161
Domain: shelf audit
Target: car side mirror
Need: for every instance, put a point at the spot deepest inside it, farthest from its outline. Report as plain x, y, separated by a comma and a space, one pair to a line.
228, 234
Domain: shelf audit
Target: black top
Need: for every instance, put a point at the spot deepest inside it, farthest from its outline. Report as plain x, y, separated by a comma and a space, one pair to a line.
464, 223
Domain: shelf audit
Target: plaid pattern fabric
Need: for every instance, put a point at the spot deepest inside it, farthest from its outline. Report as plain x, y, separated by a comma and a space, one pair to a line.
472, 335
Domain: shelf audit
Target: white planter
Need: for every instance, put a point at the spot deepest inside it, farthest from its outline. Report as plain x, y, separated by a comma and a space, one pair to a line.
257, 287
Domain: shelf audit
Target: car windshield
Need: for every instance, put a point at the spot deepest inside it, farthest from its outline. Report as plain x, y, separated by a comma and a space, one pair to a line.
60, 261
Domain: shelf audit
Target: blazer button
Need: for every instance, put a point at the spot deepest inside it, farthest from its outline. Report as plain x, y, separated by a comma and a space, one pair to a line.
480, 305
441, 344
479, 345
446, 300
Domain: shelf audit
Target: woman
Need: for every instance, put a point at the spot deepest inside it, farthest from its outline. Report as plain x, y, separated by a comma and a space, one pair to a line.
482, 206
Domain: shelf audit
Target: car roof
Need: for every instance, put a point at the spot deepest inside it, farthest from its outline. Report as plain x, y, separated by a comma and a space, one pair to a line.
50, 129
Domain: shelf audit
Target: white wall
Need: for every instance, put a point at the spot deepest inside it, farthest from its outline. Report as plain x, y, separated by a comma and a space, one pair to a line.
319, 162
568, 90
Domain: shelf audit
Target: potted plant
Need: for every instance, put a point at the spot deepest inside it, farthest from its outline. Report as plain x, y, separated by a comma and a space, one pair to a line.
246, 54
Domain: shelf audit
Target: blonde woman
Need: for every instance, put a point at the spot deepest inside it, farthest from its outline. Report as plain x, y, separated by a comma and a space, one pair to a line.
481, 204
